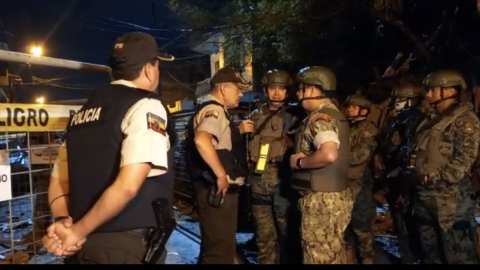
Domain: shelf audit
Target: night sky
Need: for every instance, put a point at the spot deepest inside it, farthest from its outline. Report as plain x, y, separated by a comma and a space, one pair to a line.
84, 30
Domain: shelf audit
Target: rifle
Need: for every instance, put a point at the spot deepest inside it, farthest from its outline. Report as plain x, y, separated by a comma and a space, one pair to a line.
158, 237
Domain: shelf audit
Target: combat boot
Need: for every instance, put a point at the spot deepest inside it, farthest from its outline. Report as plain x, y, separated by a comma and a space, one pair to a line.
350, 252
367, 261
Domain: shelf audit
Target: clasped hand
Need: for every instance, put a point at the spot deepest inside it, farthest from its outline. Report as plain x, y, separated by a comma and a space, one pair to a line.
63, 238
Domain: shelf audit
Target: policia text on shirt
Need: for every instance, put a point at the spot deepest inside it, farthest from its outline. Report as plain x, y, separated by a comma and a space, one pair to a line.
113, 164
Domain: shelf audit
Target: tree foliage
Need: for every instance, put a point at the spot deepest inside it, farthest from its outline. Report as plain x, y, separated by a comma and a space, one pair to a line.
355, 37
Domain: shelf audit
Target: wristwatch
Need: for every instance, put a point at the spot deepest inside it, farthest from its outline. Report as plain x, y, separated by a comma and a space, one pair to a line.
299, 163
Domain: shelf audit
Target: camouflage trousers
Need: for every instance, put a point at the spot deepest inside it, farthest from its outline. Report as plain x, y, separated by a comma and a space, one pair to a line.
325, 216
447, 228
359, 233
269, 209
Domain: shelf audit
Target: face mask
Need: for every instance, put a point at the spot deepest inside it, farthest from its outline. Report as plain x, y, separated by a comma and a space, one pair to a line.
400, 105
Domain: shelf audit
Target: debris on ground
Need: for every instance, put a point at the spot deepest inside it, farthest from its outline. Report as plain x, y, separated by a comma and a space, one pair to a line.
18, 257
382, 223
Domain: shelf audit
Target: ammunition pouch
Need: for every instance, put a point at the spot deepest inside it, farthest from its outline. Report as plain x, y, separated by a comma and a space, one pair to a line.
254, 147
213, 198
279, 148
428, 158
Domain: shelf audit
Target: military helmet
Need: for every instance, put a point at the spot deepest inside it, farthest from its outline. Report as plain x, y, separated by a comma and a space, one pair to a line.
407, 90
277, 77
358, 100
316, 75
445, 78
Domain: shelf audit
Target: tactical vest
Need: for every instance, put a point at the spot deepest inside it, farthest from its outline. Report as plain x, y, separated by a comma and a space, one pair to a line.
276, 127
399, 136
333, 177
356, 172
94, 144
233, 161
426, 157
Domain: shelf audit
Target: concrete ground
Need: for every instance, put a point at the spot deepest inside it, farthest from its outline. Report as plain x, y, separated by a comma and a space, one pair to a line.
184, 245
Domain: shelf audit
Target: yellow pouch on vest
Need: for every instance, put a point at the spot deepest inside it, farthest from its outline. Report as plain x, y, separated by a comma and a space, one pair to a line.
263, 158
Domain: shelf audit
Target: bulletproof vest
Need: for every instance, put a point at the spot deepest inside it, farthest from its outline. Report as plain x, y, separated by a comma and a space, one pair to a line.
356, 172
272, 130
94, 144
333, 177
426, 157
233, 161
398, 137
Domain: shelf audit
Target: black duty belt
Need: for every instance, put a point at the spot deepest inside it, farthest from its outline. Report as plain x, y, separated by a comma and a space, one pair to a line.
232, 189
141, 233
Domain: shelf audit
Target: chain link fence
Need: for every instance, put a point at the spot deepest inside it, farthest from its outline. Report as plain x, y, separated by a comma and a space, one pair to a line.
25, 218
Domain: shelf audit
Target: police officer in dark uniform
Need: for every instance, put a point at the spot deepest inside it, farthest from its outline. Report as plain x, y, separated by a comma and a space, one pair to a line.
216, 159
117, 153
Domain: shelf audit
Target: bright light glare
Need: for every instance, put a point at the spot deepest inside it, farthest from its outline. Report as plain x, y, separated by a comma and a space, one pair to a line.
40, 100
36, 51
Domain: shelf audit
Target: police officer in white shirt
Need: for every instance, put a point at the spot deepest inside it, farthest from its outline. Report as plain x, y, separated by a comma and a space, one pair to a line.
109, 170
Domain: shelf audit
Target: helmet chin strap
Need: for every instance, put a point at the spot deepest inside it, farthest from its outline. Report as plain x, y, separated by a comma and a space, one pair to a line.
434, 104
312, 98
277, 101
353, 118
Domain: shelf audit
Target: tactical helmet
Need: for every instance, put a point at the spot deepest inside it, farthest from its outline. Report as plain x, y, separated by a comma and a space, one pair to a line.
277, 77
445, 78
358, 100
407, 90
317, 75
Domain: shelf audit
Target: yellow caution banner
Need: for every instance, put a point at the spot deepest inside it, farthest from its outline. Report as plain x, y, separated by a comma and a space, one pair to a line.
35, 117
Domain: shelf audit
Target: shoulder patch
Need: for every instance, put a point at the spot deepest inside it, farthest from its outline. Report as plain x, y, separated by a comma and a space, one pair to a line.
369, 129
468, 128
211, 114
156, 123
321, 116
468, 123
367, 134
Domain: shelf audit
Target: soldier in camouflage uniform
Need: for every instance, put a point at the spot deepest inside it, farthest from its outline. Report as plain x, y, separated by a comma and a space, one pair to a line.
363, 134
270, 200
393, 147
445, 149
320, 164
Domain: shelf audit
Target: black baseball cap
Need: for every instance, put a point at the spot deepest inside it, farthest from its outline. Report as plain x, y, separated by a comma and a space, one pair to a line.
230, 75
134, 49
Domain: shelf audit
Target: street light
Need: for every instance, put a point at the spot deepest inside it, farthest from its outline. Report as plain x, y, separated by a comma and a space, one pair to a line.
40, 100
36, 51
